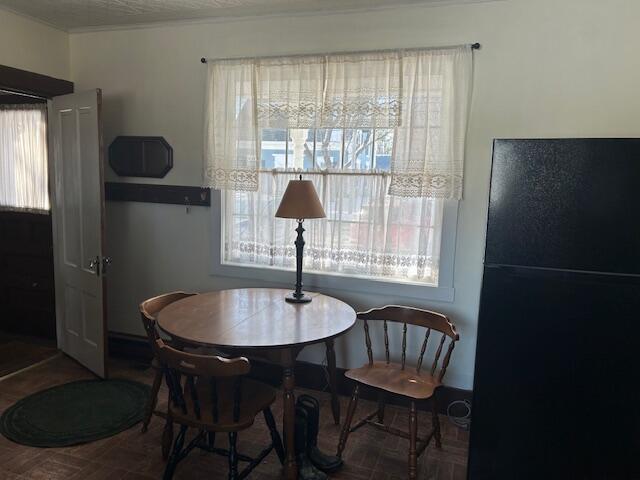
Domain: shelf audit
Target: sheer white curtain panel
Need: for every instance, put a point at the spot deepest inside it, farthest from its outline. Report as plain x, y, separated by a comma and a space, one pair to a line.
366, 233
231, 140
24, 183
428, 158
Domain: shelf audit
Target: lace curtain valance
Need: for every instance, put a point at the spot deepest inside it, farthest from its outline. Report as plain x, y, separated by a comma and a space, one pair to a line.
423, 95
337, 91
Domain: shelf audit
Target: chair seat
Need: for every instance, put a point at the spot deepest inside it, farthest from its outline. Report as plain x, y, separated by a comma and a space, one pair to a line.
392, 378
256, 396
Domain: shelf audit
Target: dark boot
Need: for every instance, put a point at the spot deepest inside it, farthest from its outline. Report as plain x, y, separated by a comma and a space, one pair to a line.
326, 463
306, 470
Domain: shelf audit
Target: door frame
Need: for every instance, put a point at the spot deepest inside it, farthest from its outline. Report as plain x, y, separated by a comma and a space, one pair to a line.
30, 83
40, 88
31, 87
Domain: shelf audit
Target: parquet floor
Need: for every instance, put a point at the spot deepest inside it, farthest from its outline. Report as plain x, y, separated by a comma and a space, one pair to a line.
132, 455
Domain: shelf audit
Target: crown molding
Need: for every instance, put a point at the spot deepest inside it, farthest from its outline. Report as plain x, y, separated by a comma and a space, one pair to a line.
247, 18
40, 21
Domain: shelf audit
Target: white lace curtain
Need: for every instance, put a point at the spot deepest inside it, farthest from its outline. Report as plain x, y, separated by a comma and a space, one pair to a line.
422, 94
366, 233
23, 158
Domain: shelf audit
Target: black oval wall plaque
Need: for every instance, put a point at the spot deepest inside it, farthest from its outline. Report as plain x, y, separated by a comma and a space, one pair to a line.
141, 156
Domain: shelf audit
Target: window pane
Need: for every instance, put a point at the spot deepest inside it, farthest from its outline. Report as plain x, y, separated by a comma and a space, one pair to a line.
328, 148
241, 203
23, 157
383, 148
300, 148
366, 232
358, 149
241, 225
273, 148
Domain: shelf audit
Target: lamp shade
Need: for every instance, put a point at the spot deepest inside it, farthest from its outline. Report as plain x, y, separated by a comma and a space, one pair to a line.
300, 201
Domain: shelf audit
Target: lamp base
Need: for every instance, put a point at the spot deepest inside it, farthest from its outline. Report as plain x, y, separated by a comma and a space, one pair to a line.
291, 298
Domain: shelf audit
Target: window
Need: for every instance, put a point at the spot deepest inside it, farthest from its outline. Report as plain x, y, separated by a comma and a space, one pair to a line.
23, 158
366, 233
381, 135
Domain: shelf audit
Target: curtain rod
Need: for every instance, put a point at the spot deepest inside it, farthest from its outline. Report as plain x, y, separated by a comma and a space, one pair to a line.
474, 46
22, 94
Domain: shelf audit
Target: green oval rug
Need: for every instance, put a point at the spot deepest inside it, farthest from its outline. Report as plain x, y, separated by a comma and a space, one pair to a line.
75, 413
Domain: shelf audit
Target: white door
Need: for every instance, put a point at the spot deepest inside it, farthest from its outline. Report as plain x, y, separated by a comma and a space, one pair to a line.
75, 145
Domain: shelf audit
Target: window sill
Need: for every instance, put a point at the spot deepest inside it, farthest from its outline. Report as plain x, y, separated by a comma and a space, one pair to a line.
34, 211
333, 281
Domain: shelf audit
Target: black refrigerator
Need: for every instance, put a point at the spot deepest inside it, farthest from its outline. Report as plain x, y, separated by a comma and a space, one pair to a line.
557, 375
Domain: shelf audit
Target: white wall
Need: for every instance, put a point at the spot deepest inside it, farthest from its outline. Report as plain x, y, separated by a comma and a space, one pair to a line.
546, 69
33, 46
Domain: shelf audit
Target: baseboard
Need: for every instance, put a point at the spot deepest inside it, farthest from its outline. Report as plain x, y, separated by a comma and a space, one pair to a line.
130, 347
308, 375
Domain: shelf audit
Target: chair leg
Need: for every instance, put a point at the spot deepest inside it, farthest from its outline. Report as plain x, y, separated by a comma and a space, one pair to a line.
233, 456
152, 401
413, 440
333, 381
211, 440
353, 403
275, 436
175, 454
167, 437
381, 405
435, 420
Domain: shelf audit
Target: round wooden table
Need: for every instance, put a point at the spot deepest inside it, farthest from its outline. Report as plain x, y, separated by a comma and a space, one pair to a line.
259, 319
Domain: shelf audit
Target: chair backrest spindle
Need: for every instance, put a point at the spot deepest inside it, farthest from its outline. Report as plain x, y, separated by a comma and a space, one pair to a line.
237, 397
368, 342
213, 384
447, 357
438, 353
175, 389
386, 341
423, 349
194, 395
404, 345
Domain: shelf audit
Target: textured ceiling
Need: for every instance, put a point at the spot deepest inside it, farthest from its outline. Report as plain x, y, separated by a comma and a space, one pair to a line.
73, 14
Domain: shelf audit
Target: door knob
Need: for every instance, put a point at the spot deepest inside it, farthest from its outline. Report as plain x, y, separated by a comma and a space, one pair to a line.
94, 265
106, 263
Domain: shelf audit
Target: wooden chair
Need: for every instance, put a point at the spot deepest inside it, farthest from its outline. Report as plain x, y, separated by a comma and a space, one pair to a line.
210, 394
412, 383
148, 311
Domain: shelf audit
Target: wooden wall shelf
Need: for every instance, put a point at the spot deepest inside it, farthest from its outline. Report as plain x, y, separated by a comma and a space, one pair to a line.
153, 193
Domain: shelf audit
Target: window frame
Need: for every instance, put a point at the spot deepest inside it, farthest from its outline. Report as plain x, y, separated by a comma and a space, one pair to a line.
444, 292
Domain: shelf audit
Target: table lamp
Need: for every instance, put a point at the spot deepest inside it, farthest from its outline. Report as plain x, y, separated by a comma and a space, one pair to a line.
300, 201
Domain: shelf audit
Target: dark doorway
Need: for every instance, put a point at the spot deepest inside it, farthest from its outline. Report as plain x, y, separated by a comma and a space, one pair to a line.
27, 293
